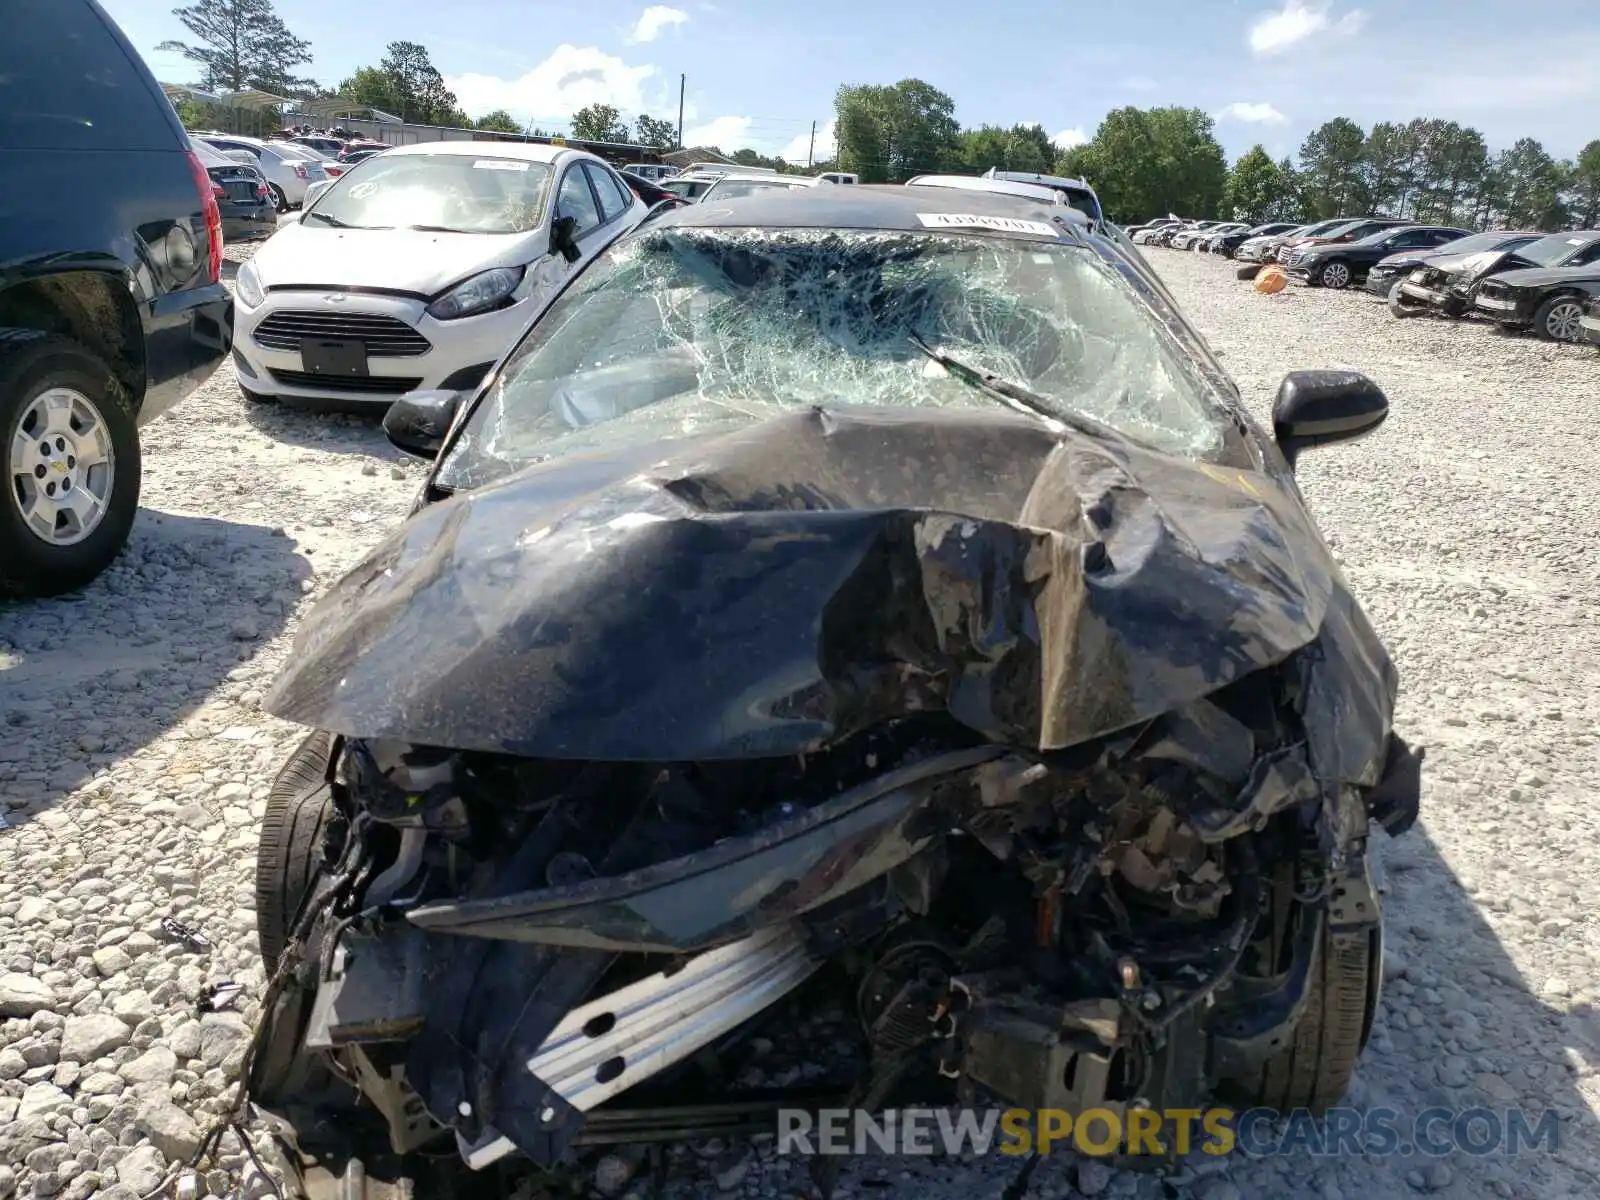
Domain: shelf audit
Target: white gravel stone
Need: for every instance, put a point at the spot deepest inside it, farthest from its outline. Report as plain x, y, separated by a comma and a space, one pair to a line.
142, 1170
87, 1038
23, 995
170, 1129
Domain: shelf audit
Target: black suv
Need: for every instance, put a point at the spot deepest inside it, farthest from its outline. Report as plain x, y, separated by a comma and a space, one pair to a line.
112, 307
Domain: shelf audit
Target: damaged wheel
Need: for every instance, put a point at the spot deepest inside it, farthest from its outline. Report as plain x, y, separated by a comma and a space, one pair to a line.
1313, 1070
289, 853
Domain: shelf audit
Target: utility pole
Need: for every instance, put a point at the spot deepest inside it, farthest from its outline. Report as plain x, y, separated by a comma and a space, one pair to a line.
811, 151
680, 112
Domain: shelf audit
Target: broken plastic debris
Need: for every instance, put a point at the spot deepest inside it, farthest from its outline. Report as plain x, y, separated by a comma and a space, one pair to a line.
186, 933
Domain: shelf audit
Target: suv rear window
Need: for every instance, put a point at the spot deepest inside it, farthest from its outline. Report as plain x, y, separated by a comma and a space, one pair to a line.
66, 83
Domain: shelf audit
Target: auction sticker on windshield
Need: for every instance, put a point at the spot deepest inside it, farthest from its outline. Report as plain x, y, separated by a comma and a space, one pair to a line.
500, 164
980, 221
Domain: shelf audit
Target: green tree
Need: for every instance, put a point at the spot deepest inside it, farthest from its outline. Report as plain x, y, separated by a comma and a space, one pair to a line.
243, 44
1256, 187
1389, 166
599, 123
1583, 197
423, 95
653, 131
498, 121
890, 133
1332, 169
374, 88
1530, 187
1020, 148
1148, 162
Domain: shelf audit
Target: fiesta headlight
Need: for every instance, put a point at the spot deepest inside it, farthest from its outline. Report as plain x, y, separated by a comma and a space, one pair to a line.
476, 295
247, 287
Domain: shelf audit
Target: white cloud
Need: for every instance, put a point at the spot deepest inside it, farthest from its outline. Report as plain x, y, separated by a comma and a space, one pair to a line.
1276, 32
1255, 113
827, 145
653, 20
572, 77
729, 133
1068, 138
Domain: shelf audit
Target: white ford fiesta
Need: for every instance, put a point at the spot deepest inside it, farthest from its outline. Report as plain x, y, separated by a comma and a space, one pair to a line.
419, 267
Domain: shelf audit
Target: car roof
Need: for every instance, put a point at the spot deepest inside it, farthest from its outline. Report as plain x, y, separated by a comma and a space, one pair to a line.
977, 183
745, 177
871, 206
528, 151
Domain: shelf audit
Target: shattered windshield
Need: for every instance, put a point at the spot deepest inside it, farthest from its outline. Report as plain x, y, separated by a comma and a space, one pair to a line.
689, 331
1549, 251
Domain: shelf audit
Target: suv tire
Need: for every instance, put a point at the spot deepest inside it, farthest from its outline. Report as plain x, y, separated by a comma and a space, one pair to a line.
39, 369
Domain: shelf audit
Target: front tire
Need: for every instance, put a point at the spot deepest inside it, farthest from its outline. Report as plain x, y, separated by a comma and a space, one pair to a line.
1560, 319
70, 449
1335, 275
1313, 1069
289, 853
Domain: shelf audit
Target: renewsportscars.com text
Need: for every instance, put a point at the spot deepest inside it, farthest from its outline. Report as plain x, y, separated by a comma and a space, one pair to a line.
1255, 1132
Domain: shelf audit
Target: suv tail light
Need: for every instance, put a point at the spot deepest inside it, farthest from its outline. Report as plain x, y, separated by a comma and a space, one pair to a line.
208, 204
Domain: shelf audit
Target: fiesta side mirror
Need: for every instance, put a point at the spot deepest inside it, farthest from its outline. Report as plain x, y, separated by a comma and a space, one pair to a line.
564, 238
418, 421
1319, 408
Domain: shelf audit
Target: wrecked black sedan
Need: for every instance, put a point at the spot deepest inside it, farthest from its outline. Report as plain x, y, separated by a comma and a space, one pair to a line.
1548, 303
1448, 285
879, 592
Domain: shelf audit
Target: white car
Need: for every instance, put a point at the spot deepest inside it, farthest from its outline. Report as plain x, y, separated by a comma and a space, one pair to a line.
654, 172
289, 168
732, 186
418, 268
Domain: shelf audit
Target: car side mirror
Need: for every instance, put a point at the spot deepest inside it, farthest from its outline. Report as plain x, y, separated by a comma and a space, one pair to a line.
564, 238
1319, 408
418, 421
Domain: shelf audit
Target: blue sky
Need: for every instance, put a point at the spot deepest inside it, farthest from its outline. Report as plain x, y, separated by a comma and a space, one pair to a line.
760, 71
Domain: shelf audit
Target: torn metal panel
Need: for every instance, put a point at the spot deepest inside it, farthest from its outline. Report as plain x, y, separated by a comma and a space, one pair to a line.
774, 590
735, 887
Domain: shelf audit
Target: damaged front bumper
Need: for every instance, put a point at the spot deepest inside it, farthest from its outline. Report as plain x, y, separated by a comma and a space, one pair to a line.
489, 1019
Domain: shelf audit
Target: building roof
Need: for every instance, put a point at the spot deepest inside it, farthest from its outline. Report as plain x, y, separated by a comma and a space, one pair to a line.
682, 158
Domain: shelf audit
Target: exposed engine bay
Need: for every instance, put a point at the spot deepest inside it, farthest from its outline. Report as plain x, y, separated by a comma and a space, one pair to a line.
502, 947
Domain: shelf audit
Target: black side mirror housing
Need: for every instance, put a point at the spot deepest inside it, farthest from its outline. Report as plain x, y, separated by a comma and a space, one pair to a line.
418, 421
564, 238
1319, 408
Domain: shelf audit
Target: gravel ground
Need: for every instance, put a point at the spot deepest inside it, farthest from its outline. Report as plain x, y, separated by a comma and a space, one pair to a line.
134, 764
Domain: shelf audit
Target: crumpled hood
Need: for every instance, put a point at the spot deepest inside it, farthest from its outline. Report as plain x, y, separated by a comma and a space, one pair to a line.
1540, 277
405, 260
1476, 264
767, 592
1407, 258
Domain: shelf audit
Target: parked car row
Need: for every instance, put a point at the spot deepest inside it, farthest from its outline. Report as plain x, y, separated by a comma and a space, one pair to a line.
1525, 281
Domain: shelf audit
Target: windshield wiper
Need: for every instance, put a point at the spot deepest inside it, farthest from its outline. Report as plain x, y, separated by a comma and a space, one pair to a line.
1014, 394
437, 229
329, 220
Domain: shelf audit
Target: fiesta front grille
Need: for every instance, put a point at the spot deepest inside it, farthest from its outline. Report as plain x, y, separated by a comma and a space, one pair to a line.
375, 385
384, 337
